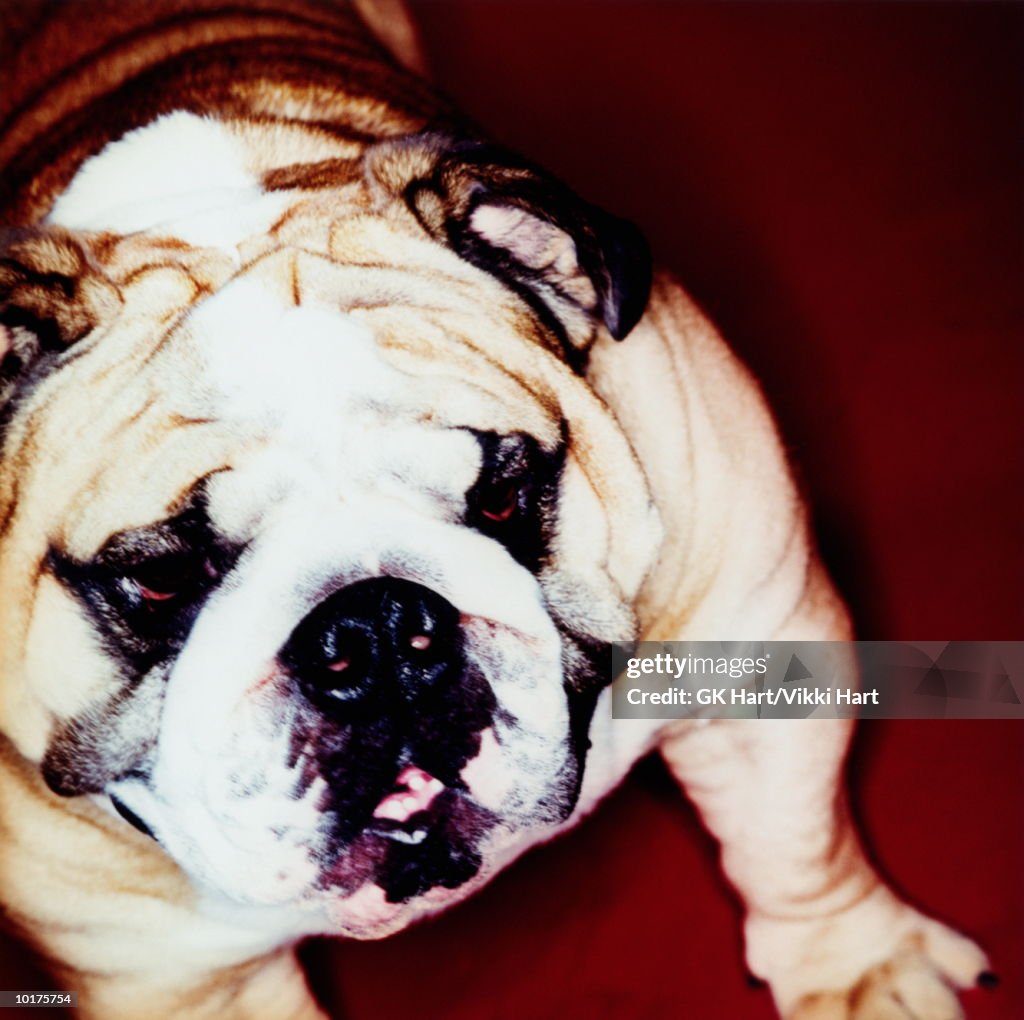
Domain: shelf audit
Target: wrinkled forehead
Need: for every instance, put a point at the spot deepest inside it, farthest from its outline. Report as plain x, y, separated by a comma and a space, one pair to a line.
304, 377
298, 334
319, 411
325, 356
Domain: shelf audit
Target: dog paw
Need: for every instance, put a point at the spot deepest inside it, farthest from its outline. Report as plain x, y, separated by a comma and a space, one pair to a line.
878, 960
907, 987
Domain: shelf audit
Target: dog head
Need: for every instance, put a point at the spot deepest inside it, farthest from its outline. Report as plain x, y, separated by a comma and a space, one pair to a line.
312, 544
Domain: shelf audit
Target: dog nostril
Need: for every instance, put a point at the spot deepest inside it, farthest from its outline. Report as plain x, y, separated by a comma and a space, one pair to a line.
334, 663
347, 659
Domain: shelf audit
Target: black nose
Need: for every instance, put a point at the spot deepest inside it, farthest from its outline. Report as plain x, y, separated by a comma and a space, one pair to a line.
373, 640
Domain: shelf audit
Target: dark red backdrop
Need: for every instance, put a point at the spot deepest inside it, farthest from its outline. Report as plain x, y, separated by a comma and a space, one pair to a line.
840, 185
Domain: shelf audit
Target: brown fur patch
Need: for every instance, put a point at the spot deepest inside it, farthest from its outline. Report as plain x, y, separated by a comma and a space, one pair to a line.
46, 278
328, 173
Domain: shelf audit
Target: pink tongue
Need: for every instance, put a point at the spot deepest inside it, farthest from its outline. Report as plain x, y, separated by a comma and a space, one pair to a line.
417, 789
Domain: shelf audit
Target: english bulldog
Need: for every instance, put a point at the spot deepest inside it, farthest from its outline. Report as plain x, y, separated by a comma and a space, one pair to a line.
339, 444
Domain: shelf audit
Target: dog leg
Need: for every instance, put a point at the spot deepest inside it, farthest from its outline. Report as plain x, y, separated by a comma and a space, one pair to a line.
831, 939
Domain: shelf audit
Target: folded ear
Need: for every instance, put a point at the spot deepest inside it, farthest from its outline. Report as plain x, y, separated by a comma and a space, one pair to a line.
50, 297
576, 265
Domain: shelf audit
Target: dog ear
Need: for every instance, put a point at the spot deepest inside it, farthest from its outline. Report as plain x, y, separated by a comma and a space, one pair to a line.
50, 297
576, 265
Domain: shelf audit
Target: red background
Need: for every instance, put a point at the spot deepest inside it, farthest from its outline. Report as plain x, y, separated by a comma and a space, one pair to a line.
840, 186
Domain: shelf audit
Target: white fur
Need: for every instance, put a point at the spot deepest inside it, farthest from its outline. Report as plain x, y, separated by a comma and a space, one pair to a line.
182, 176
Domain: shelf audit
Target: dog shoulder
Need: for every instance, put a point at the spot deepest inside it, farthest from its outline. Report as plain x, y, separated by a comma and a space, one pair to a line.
676, 379
738, 552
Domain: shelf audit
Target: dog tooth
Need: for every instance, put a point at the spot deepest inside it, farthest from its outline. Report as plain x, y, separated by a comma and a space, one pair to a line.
410, 804
408, 837
416, 781
435, 786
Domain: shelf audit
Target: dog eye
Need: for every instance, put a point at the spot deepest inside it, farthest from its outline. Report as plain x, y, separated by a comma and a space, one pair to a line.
169, 579
500, 500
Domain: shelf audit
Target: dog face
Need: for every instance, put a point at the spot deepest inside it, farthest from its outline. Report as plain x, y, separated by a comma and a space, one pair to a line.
312, 548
